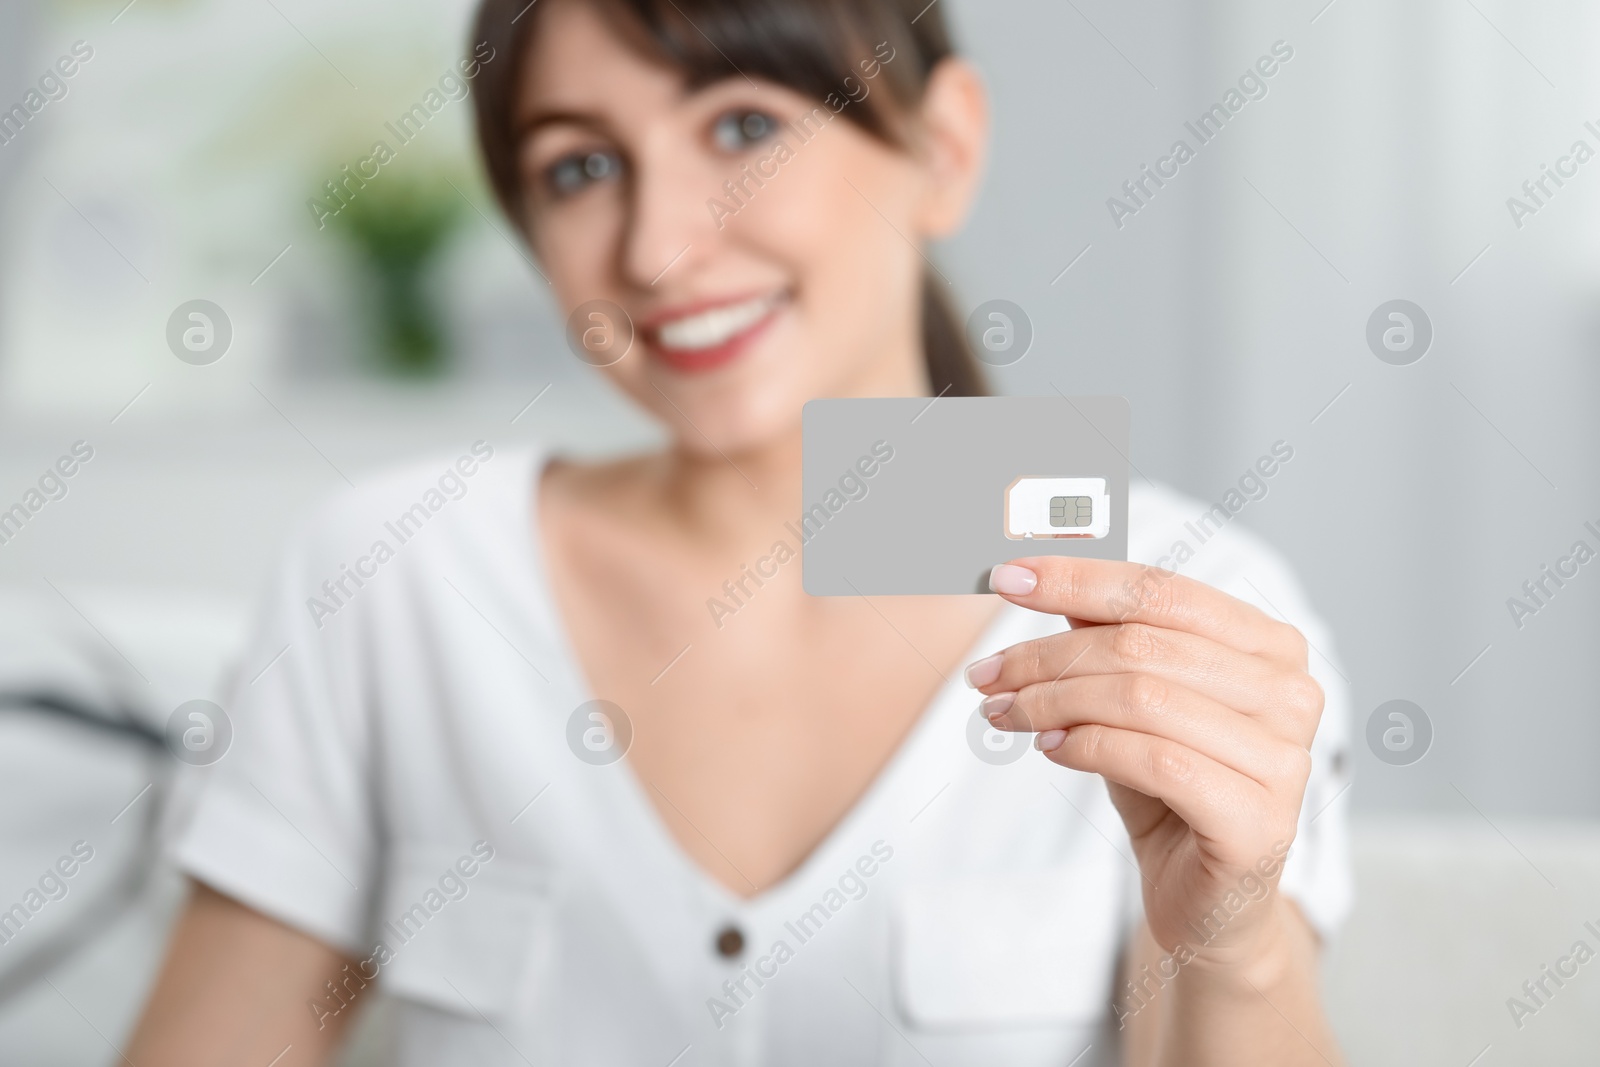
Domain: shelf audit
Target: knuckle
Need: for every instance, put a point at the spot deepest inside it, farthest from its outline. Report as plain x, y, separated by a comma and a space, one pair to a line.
1135, 644
1158, 593
1122, 603
1025, 710
1303, 765
1130, 596
1169, 764
1146, 694
1066, 582
1028, 659
1088, 742
1305, 694
1294, 765
1296, 642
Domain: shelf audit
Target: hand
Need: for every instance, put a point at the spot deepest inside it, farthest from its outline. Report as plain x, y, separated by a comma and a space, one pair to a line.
1197, 710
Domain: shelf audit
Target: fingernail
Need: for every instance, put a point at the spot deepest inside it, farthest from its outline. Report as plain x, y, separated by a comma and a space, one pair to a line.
984, 672
1050, 740
1013, 580
997, 705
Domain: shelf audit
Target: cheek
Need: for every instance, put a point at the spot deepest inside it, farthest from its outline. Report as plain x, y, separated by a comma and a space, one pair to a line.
575, 246
794, 215
819, 204
831, 216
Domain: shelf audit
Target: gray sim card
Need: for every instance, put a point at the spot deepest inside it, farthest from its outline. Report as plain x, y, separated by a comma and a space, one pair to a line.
911, 495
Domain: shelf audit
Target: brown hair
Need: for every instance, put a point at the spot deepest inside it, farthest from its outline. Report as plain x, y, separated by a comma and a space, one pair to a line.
809, 46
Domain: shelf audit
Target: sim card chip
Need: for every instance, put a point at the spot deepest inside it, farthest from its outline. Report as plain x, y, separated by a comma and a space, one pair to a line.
1071, 510
1057, 507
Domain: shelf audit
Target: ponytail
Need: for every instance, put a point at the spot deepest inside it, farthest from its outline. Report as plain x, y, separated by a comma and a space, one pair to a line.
952, 368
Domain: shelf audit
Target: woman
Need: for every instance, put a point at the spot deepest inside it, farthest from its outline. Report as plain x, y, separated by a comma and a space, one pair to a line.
809, 854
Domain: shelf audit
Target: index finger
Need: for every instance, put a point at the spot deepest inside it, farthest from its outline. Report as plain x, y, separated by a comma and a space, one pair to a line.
1114, 591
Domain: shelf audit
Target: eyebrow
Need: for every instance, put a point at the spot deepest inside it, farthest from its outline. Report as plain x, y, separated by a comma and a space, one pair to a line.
529, 124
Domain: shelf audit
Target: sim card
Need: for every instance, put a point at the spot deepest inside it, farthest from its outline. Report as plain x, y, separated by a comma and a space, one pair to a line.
1057, 507
918, 495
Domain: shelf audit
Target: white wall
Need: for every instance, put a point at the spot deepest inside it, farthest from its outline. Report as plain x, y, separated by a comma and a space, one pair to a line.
1422, 500
1231, 309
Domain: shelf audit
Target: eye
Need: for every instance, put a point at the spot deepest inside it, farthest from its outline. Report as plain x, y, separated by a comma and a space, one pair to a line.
573, 173
735, 131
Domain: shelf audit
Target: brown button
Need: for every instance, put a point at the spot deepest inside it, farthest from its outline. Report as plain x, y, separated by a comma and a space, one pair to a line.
730, 941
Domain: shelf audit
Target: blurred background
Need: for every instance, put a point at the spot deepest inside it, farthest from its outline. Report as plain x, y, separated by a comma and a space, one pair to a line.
1243, 302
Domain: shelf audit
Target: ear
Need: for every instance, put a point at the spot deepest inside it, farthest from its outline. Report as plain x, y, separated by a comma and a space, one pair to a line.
954, 136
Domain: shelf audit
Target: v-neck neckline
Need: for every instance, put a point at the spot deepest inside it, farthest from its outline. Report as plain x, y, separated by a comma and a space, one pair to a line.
642, 811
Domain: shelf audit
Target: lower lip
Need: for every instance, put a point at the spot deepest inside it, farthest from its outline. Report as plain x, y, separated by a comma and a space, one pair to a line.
701, 360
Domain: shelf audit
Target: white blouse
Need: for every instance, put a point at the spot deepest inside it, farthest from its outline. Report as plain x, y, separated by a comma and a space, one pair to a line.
417, 778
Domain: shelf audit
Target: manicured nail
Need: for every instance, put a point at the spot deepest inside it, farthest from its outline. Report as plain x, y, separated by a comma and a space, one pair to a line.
984, 672
1013, 580
997, 705
1050, 740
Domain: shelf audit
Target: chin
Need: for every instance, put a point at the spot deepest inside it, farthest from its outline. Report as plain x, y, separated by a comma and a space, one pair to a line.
738, 418
747, 404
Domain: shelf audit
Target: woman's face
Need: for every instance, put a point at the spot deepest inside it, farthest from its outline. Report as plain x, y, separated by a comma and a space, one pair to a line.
805, 281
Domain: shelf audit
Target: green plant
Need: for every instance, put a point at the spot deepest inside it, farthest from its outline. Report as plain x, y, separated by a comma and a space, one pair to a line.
399, 224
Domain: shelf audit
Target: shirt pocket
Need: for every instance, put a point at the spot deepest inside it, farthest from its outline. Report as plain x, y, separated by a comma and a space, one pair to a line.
471, 945
1035, 949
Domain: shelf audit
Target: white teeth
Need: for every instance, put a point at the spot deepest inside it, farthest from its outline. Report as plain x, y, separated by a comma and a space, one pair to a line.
711, 328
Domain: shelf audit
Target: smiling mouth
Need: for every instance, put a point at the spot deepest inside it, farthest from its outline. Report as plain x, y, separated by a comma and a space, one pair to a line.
716, 335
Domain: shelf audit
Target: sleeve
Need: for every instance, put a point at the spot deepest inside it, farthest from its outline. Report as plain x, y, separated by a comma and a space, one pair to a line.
283, 818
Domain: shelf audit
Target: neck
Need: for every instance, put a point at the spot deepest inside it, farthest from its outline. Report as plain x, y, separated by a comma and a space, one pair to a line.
741, 500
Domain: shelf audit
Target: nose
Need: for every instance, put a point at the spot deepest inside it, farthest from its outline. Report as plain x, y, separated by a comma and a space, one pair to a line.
668, 227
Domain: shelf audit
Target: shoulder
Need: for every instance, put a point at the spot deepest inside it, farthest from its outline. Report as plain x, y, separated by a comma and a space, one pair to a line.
443, 491
1208, 541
